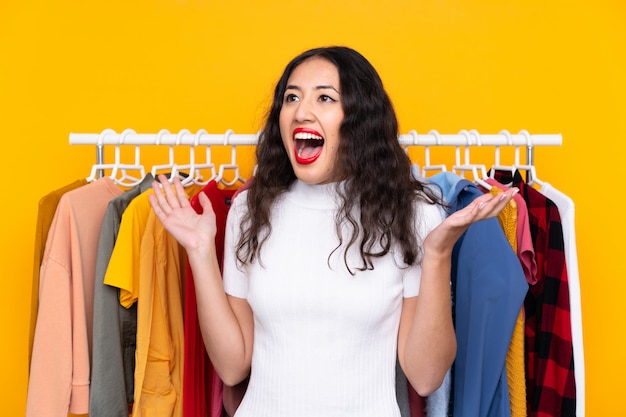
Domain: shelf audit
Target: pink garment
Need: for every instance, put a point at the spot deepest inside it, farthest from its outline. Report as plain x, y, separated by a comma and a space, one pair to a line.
59, 375
525, 247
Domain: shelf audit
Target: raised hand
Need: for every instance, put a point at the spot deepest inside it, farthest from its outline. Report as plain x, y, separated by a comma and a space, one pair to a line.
171, 205
444, 236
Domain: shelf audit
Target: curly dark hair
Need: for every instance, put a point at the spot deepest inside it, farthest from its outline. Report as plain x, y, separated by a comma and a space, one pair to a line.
376, 169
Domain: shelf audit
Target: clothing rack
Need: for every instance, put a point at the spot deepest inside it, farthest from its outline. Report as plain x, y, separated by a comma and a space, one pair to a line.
462, 141
185, 137
412, 138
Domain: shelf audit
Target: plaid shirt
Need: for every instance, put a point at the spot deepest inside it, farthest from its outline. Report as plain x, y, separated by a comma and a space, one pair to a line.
551, 388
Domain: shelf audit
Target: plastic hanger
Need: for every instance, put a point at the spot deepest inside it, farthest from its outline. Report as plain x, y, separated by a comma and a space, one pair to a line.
531, 176
427, 165
497, 166
531, 173
232, 166
170, 167
195, 170
125, 180
97, 169
479, 171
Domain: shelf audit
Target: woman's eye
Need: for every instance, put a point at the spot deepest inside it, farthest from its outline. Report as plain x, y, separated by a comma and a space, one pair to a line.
290, 98
326, 98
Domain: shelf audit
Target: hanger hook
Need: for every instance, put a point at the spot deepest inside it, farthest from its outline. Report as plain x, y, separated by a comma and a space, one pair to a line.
118, 158
227, 136
529, 141
468, 143
196, 138
468, 138
179, 136
475, 133
437, 136
507, 135
160, 134
123, 135
104, 133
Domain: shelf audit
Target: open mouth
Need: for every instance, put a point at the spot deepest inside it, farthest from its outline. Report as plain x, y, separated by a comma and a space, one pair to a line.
308, 146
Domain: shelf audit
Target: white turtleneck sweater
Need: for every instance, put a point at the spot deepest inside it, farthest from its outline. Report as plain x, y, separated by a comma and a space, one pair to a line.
325, 341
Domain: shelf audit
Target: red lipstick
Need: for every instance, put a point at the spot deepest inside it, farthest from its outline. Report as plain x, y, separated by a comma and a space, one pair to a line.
308, 145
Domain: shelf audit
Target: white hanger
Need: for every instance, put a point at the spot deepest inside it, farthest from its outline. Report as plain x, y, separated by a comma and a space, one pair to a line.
427, 165
171, 165
125, 180
497, 166
532, 175
97, 169
479, 171
232, 166
530, 168
195, 174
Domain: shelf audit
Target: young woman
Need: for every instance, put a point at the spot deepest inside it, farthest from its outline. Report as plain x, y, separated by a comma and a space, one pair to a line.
336, 261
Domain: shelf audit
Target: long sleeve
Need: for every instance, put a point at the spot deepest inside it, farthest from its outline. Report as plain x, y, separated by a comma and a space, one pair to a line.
114, 327
45, 214
551, 385
566, 209
59, 377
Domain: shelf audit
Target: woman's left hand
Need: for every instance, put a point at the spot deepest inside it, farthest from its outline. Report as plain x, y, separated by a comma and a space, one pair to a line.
443, 237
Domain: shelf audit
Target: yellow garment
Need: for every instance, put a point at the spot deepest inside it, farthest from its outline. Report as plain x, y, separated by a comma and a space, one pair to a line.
147, 264
123, 269
45, 213
515, 370
160, 337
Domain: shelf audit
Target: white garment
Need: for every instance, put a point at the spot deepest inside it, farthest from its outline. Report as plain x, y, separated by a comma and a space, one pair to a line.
565, 206
325, 341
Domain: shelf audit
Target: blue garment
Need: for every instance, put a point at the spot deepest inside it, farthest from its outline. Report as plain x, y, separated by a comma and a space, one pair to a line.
488, 287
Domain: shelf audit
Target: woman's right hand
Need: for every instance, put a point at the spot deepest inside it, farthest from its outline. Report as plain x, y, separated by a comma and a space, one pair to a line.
170, 204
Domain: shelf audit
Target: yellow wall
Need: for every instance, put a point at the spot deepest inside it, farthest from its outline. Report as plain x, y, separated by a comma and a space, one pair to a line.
549, 67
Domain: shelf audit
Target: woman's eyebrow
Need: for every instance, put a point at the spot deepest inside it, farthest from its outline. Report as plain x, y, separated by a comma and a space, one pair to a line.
319, 87
324, 87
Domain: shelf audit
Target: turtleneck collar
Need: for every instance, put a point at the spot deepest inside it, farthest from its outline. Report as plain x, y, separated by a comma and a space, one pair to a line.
316, 196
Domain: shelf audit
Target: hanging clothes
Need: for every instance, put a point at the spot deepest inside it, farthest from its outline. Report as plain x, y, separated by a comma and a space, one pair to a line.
516, 375
160, 338
488, 287
45, 213
516, 371
123, 269
525, 248
59, 377
122, 275
202, 386
566, 209
114, 327
147, 267
551, 386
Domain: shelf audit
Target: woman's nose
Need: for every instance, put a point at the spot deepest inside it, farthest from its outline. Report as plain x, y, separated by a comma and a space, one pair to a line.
304, 112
